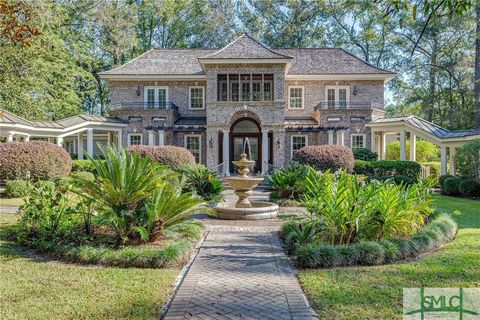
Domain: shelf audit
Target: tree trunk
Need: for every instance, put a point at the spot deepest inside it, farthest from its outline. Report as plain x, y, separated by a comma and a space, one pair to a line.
433, 78
477, 64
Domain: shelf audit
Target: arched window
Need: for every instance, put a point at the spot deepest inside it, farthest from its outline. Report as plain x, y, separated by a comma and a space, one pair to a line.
245, 126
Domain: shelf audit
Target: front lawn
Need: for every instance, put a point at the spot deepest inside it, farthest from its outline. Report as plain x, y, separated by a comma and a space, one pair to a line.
376, 292
39, 289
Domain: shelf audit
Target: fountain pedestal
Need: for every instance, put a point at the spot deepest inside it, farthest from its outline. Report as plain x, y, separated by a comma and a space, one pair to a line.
243, 186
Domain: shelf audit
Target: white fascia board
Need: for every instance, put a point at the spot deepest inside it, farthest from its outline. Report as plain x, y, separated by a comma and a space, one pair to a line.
242, 61
374, 76
140, 77
53, 131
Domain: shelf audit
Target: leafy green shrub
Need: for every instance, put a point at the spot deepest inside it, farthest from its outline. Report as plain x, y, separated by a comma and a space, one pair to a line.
467, 159
83, 175
391, 250
450, 186
287, 182
370, 253
302, 233
426, 151
307, 255
469, 188
388, 168
82, 165
202, 181
396, 179
33, 160
172, 156
441, 180
434, 168
364, 154
326, 157
17, 188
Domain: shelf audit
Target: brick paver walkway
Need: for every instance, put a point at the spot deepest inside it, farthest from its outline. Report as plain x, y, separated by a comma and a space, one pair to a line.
240, 275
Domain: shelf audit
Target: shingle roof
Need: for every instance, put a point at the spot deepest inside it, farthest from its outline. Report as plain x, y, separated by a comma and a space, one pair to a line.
430, 128
308, 61
10, 118
245, 47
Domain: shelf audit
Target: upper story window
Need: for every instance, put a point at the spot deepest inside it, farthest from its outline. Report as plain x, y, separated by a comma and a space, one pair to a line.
337, 96
197, 98
156, 97
245, 87
295, 98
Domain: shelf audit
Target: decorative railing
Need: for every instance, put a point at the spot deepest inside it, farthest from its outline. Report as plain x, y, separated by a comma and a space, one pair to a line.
144, 105
349, 105
220, 169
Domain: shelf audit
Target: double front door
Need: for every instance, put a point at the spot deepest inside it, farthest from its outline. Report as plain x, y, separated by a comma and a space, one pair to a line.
251, 143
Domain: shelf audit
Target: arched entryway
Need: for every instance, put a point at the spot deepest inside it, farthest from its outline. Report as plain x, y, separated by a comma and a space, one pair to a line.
240, 131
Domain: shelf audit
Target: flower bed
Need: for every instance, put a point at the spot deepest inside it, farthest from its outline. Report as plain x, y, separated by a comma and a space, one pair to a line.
389, 250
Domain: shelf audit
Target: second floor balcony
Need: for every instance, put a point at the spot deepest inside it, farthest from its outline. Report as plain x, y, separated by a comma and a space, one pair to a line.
144, 106
349, 105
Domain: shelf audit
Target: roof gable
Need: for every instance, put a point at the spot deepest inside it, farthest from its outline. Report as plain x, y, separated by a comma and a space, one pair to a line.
245, 47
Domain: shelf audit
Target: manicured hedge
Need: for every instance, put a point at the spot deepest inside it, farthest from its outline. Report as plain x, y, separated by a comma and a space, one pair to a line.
82, 165
397, 179
326, 157
450, 186
469, 188
364, 154
169, 155
33, 160
388, 168
439, 231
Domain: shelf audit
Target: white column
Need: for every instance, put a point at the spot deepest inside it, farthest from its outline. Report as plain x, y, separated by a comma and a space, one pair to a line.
452, 160
226, 151
373, 144
413, 146
109, 137
264, 150
341, 137
10, 137
90, 142
443, 160
80, 145
119, 138
330, 137
60, 141
150, 138
161, 137
403, 152
27, 138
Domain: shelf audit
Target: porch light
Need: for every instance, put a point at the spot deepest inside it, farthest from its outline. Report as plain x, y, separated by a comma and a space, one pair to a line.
210, 142
138, 91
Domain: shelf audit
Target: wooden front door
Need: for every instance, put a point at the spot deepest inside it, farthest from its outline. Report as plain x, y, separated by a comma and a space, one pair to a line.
237, 143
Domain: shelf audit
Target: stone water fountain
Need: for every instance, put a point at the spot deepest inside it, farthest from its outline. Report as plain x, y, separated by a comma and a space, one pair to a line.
244, 209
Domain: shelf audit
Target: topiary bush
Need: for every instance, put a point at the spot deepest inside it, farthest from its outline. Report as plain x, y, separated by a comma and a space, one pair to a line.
364, 154
442, 179
172, 156
450, 186
467, 159
17, 188
33, 160
326, 157
469, 188
384, 168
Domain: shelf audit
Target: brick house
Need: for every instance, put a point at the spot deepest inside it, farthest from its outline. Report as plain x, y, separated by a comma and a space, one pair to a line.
212, 100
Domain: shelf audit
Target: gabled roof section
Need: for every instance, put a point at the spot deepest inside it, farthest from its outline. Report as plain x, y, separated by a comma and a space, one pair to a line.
10, 118
245, 47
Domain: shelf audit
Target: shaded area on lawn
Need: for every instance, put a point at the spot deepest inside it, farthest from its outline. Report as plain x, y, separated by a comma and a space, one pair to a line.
376, 292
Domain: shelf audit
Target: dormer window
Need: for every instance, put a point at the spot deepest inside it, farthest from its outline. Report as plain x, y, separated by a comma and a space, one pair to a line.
245, 87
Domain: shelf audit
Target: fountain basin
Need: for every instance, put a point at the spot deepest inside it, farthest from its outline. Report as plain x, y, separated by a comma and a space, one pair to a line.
258, 210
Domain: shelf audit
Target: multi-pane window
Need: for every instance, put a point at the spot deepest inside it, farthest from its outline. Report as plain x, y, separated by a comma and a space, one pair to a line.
337, 96
134, 139
245, 87
156, 97
193, 144
298, 142
357, 141
196, 97
295, 99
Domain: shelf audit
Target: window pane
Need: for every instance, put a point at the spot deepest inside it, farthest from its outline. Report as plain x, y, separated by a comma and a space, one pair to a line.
150, 98
162, 97
298, 142
342, 97
331, 97
245, 78
193, 145
296, 98
358, 141
256, 87
196, 98
222, 87
267, 87
234, 87
135, 139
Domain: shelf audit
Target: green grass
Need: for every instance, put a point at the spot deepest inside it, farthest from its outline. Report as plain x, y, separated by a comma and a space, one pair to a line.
376, 292
42, 289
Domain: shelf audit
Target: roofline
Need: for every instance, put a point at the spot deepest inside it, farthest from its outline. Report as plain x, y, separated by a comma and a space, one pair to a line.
204, 60
139, 77
386, 77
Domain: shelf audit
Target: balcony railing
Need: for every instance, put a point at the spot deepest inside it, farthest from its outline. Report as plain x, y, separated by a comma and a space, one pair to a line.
349, 105
144, 105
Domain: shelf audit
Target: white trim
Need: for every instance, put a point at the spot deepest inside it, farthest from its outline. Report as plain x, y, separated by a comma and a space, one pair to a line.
303, 97
199, 144
296, 136
386, 77
134, 134
364, 135
337, 93
156, 97
190, 97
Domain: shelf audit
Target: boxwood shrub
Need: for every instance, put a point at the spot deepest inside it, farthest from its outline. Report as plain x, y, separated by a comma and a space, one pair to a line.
326, 157
469, 188
33, 160
170, 155
450, 186
364, 154
82, 165
380, 168
439, 231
